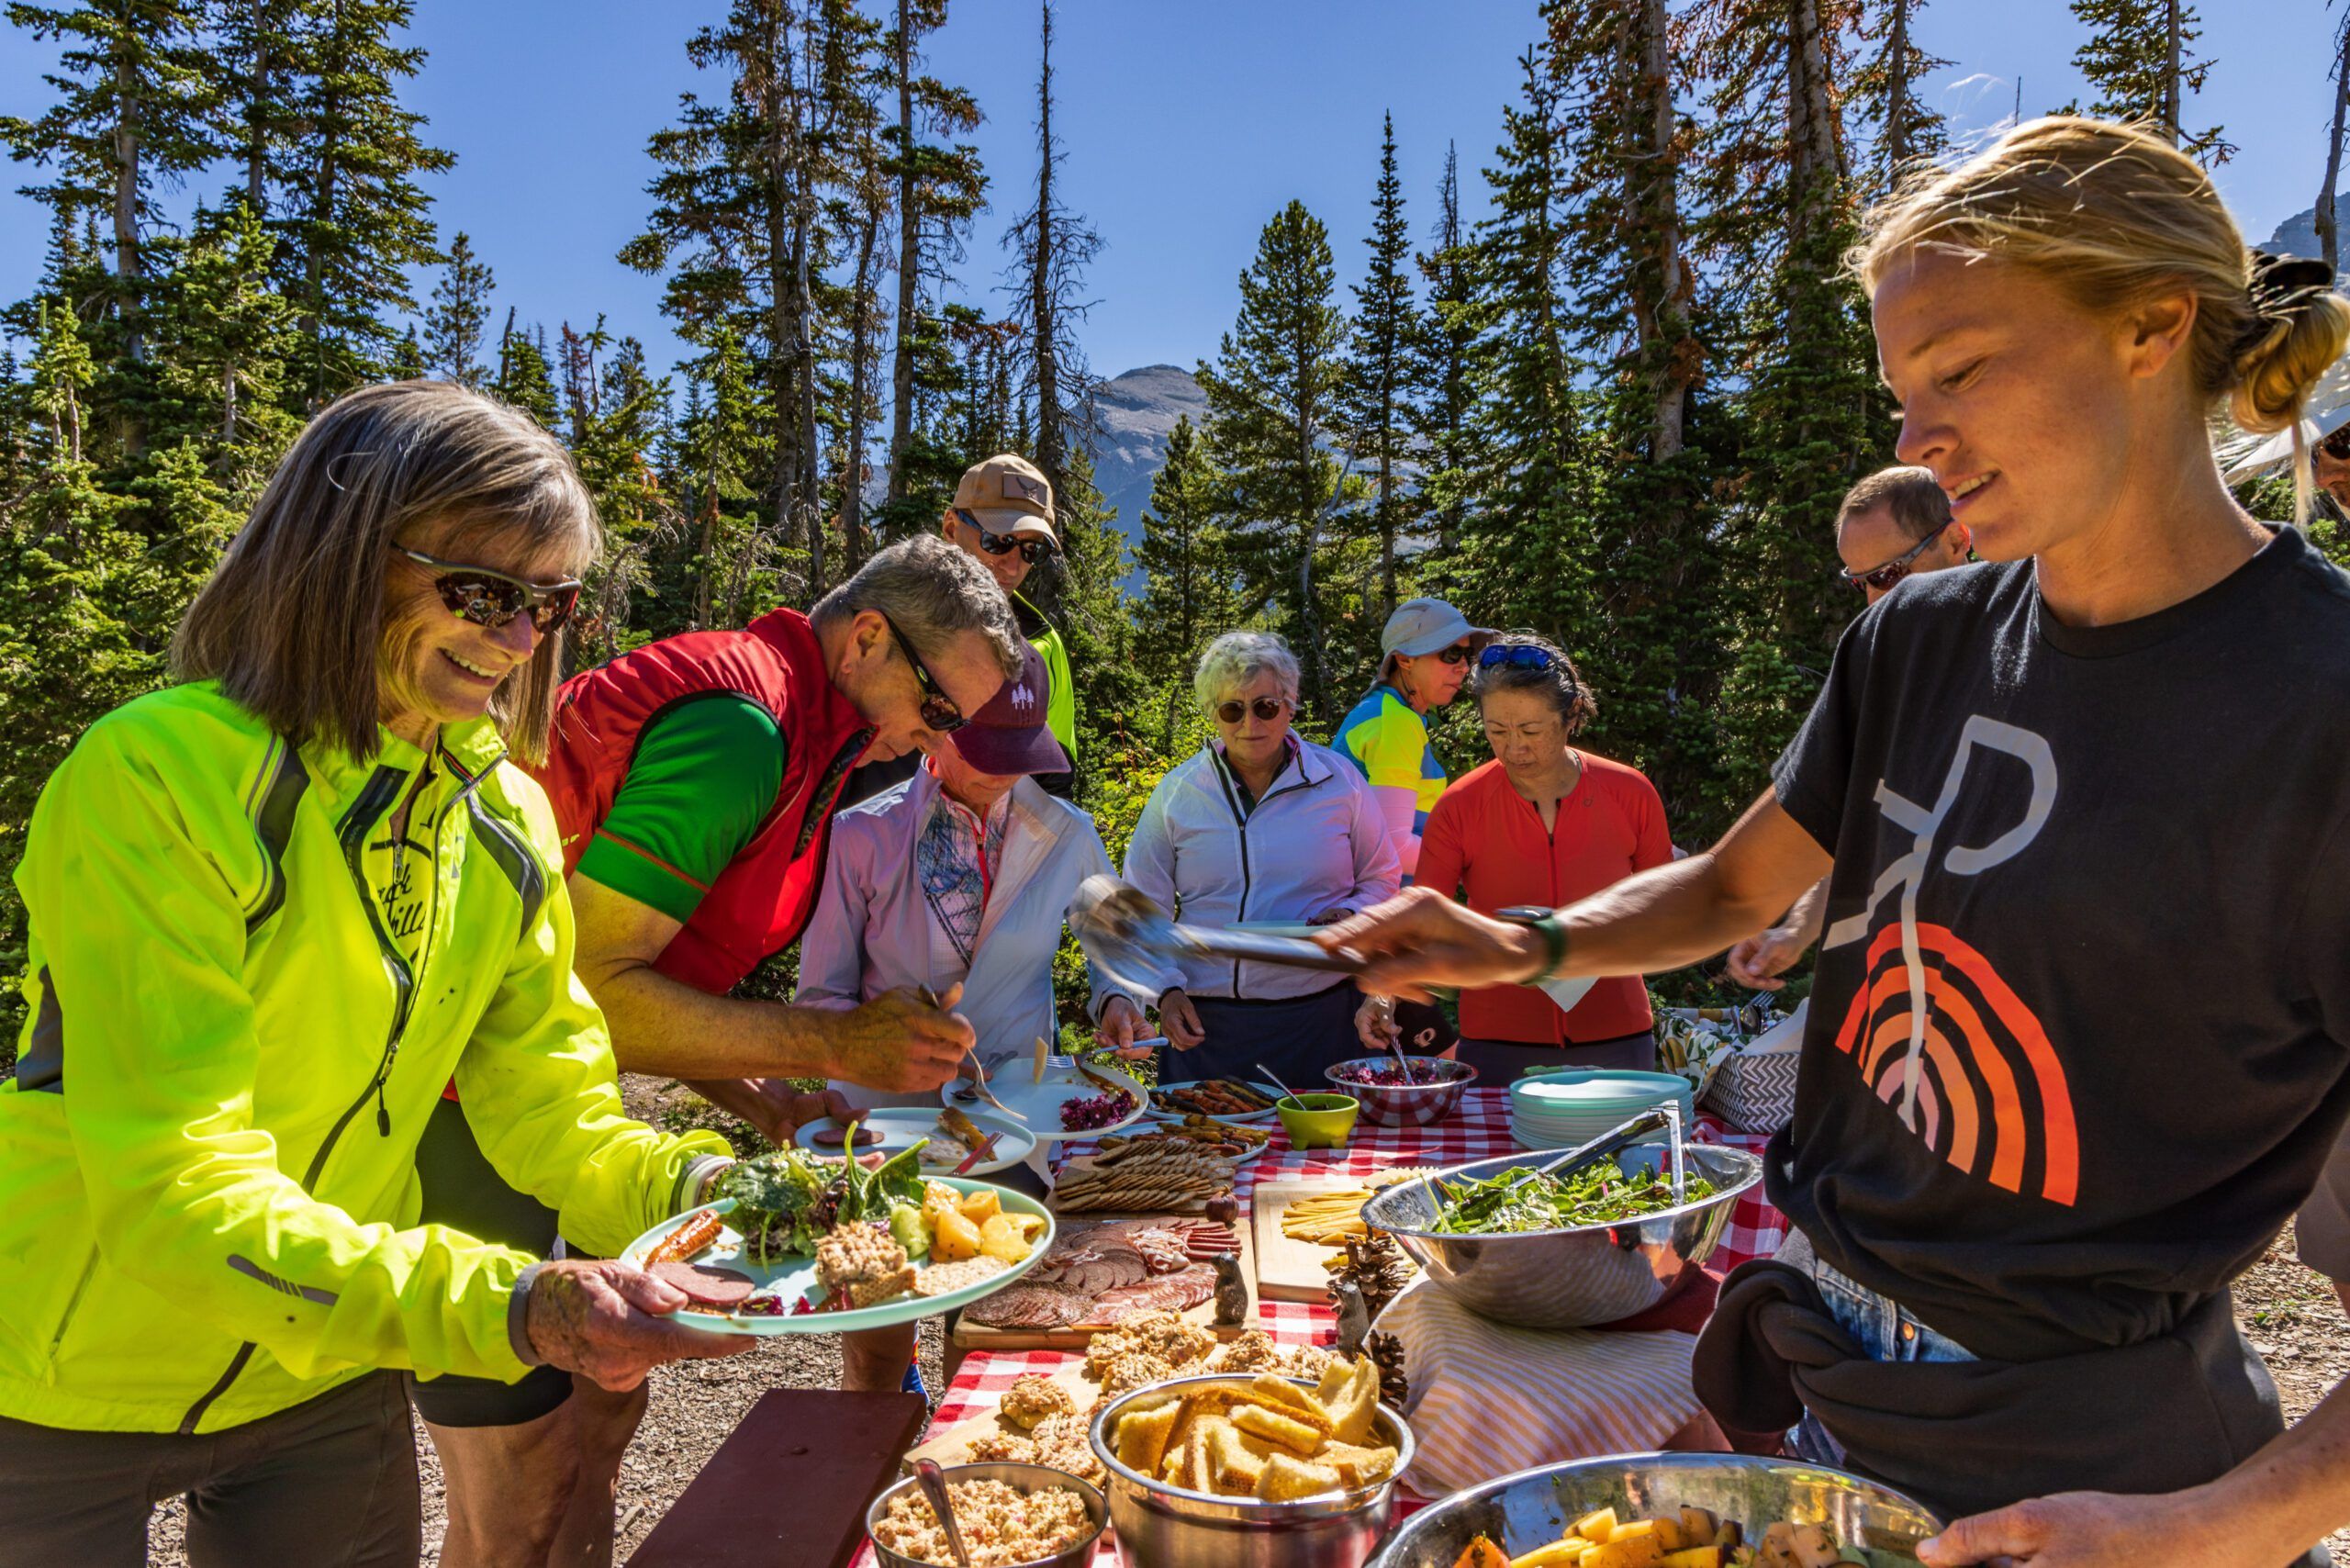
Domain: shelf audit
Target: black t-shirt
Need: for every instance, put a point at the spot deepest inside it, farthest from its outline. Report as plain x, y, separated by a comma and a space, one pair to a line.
2114, 863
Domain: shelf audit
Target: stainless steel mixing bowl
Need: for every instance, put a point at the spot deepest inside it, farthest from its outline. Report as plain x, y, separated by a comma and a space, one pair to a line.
1567, 1279
1534, 1508
1024, 1478
1161, 1526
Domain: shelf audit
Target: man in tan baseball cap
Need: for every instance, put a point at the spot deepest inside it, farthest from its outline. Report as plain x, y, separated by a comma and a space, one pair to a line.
1002, 514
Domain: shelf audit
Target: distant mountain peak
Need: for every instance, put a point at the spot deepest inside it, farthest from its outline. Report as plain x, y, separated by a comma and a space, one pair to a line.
1132, 414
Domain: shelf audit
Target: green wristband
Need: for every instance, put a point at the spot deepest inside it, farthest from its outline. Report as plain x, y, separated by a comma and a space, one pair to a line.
1554, 938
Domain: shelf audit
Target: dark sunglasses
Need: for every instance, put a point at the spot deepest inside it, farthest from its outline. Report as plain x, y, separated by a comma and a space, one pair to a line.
1031, 550
2337, 445
489, 600
939, 711
1456, 654
1514, 656
1265, 707
1884, 577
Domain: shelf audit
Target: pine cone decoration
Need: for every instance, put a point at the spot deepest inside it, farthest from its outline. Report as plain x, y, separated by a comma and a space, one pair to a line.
1387, 1355
1377, 1267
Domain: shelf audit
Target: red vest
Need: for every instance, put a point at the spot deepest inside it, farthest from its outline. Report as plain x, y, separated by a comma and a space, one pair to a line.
760, 902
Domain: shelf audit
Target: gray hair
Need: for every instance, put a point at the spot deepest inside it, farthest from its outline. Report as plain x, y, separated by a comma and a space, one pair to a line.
1236, 658
1560, 681
933, 592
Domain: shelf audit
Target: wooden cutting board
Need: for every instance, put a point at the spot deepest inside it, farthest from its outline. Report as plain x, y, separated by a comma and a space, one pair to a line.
972, 1336
1287, 1269
953, 1446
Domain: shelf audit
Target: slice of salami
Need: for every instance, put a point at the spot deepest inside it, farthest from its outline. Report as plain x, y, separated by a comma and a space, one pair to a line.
832, 1137
707, 1285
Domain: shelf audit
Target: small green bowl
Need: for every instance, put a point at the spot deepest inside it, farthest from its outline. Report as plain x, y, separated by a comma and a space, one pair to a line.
1326, 1122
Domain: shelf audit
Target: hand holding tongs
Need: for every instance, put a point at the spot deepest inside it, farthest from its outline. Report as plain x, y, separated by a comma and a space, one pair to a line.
1129, 937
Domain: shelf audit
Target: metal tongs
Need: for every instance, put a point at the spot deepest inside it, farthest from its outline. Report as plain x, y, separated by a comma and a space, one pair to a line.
1614, 1141
1127, 936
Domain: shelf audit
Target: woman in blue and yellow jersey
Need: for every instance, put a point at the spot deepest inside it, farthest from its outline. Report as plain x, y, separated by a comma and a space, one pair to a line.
1424, 656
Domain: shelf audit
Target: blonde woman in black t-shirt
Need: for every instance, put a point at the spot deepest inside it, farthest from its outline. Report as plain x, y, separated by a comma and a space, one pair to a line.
2080, 1040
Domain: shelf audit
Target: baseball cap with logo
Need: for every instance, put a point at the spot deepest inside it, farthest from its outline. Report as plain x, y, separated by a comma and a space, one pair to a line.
1008, 735
1424, 625
1009, 495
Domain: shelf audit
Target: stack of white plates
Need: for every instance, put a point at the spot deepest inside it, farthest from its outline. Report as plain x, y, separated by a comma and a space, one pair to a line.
1562, 1110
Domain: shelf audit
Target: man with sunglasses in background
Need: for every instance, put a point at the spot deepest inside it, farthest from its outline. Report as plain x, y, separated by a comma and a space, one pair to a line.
1002, 517
1894, 524
693, 782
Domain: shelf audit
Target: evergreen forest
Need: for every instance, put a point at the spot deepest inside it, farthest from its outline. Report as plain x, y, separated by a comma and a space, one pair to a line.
1619, 407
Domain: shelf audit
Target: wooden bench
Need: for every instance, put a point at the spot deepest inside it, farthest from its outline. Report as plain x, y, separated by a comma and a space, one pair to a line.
790, 1487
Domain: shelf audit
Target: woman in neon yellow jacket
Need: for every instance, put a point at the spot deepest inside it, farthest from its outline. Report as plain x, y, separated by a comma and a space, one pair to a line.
272, 910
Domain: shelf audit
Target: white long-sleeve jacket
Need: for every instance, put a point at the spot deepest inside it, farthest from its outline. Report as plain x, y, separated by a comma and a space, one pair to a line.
1316, 842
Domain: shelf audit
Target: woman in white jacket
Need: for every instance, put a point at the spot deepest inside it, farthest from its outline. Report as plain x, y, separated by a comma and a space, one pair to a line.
1260, 826
958, 879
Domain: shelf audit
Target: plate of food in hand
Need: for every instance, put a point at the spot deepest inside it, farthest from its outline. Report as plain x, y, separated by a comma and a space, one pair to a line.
946, 1138
798, 1244
1057, 1097
1218, 1099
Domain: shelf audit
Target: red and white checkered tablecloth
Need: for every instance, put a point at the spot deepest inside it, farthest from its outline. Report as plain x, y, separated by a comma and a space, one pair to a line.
1478, 1130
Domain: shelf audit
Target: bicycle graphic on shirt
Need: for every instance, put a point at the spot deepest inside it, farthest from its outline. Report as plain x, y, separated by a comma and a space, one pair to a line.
1935, 1031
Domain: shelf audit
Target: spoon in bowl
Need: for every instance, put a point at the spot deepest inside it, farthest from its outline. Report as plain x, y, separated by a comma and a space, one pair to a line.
933, 1481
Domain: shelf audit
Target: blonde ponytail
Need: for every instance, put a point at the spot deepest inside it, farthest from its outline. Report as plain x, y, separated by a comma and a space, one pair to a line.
2115, 215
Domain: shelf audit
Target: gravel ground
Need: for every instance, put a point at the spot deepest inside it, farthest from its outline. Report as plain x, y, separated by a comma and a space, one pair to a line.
2290, 1315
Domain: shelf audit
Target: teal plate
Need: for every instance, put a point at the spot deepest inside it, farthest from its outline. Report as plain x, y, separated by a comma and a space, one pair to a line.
792, 1275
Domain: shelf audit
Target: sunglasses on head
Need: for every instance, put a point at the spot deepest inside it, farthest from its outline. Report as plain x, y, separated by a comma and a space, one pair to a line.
489, 600
2337, 445
1884, 577
1265, 707
939, 711
1031, 550
1514, 656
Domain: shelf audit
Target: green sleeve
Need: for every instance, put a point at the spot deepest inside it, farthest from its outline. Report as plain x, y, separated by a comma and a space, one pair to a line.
1061, 698
704, 777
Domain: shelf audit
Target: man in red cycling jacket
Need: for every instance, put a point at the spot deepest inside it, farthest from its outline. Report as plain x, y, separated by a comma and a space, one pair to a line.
693, 781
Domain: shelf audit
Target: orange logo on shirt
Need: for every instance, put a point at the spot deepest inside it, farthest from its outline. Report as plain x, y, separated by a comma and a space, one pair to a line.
1984, 1070
1935, 1031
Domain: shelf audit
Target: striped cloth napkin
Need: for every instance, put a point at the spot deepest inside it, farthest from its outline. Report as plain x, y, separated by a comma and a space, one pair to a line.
1488, 1400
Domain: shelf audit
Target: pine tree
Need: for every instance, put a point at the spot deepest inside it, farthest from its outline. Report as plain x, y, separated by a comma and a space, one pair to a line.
1377, 386
1051, 247
1908, 131
525, 377
1812, 416
456, 322
352, 220
1187, 582
1530, 483
940, 189
734, 223
407, 361
1272, 398
136, 109
1446, 368
2140, 59
2328, 227
224, 342
1636, 599
262, 50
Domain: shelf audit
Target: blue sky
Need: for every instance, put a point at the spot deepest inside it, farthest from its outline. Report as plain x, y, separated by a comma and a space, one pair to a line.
1188, 123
